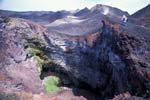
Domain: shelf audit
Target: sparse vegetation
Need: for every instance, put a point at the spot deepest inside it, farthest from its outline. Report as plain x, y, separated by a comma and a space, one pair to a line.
51, 84
38, 56
41, 58
35, 48
40, 63
35, 42
34, 51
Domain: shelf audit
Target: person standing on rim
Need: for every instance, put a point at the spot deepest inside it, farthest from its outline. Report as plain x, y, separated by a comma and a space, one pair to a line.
124, 20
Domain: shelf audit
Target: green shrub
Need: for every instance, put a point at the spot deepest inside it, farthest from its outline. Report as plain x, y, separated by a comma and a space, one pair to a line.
37, 55
34, 51
43, 62
40, 63
51, 84
41, 58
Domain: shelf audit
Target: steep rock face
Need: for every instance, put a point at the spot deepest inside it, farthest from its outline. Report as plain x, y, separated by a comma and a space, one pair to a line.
19, 75
110, 63
17, 71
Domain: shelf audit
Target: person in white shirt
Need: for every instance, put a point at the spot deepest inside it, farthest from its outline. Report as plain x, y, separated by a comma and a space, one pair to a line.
124, 19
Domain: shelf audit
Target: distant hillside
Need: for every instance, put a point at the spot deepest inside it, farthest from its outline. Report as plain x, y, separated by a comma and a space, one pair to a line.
143, 13
108, 10
43, 17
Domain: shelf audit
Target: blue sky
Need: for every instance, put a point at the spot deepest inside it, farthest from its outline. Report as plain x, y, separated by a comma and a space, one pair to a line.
53, 5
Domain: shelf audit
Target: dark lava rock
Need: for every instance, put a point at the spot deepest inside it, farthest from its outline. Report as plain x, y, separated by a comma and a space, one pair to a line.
107, 62
126, 96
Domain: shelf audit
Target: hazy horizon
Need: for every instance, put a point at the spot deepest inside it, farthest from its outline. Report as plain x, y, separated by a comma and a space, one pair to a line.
47, 5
